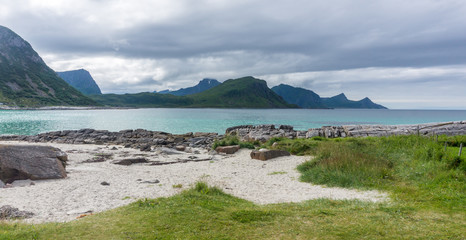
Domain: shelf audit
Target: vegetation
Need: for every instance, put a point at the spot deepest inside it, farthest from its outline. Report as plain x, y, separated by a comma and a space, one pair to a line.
230, 140
426, 184
245, 92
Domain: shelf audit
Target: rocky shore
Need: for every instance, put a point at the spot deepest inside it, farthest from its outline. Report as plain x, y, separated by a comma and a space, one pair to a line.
264, 132
138, 139
146, 140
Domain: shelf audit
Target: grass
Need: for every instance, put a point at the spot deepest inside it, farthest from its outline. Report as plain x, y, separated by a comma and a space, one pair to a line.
230, 140
425, 183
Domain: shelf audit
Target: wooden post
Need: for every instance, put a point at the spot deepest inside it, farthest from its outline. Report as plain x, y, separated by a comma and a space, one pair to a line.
418, 130
445, 148
461, 149
436, 138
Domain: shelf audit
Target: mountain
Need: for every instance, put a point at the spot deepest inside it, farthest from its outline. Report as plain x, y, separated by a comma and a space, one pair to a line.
25, 79
308, 99
246, 92
340, 101
302, 97
81, 80
204, 84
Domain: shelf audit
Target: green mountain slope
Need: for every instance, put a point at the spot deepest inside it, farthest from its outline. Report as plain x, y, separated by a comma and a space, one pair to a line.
142, 100
204, 84
308, 99
25, 79
299, 96
81, 80
246, 92
340, 101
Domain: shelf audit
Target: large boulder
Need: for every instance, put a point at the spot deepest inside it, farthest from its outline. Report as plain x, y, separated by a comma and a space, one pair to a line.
265, 154
18, 162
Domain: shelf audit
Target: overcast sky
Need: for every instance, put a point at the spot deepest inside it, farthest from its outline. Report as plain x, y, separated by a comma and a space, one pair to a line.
402, 54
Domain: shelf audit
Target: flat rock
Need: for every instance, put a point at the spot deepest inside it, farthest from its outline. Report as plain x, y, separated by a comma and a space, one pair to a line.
227, 149
129, 161
9, 212
19, 162
268, 154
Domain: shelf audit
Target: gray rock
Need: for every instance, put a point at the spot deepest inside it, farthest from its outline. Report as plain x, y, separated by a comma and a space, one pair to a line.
22, 183
227, 149
168, 151
18, 162
105, 183
2, 185
151, 181
180, 148
129, 161
265, 154
9, 212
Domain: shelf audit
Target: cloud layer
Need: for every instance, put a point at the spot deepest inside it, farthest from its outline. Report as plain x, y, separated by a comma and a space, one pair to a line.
404, 54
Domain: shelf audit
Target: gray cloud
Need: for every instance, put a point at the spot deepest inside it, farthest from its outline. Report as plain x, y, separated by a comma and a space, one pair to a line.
154, 45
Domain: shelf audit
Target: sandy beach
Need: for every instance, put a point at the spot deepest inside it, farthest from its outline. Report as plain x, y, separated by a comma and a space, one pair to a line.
84, 190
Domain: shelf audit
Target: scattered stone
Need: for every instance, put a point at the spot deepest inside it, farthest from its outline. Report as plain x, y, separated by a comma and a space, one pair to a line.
114, 148
22, 183
104, 183
151, 181
268, 154
19, 162
227, 149
180, 148
129, 161
9, 212
79, 211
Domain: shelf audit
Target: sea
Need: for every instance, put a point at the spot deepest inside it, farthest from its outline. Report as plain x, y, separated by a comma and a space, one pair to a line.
180, 120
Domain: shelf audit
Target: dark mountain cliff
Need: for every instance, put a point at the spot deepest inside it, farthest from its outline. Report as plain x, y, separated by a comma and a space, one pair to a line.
25, 79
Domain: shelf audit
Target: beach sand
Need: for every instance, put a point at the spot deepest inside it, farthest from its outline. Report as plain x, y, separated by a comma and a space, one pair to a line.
262, 182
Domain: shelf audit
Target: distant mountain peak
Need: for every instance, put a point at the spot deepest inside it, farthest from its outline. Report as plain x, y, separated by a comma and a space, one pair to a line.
340, 96
204, 84
82, 80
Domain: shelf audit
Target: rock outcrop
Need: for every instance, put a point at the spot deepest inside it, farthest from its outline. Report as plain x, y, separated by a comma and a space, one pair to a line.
139, 138
263, 133
19, 162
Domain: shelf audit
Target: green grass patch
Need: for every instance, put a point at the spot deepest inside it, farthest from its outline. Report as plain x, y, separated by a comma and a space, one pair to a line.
231, 140
204, 212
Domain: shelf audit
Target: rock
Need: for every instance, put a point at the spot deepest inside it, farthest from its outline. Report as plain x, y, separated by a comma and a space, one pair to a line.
22, 183
168, 151
2, 184
19, 162
145, 148
129, 161
79, 211
227, 149
105, 183
151, 181
180, 148
9, 212
268, 154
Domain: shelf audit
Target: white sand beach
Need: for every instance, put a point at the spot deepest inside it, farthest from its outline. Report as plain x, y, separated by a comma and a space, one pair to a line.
262, 182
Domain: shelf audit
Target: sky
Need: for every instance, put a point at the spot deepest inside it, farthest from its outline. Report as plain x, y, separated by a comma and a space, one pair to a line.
401, 54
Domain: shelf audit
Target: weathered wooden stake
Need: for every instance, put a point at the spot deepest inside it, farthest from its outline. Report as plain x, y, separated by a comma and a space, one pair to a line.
418, 130
445, 148
461, 149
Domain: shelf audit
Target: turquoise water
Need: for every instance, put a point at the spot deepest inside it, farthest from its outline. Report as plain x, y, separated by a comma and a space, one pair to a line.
208, 120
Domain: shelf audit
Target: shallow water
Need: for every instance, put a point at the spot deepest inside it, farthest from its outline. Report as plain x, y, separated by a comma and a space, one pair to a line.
179, 120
